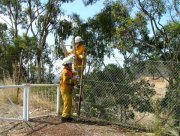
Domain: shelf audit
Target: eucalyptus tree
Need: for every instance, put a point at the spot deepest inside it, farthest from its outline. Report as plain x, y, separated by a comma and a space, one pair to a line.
132, 35
32, 17
12, 9
160, 44
73, 26
35, 18
4, 40
138, 30
5, 67
95, 32
44, 17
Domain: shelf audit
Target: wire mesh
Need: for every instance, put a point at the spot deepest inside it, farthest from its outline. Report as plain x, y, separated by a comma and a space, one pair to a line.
43, 101
133, 93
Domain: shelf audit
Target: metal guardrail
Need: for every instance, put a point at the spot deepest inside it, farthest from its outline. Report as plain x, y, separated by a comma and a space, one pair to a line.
26, 99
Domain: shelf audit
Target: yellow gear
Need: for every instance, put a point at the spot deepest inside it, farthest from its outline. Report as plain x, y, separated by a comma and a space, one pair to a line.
81, 56
66, 91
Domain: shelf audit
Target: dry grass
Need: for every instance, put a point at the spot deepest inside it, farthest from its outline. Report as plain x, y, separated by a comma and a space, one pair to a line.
11, 94
145, 119
160, 86
16, 96
38, 102
8, 81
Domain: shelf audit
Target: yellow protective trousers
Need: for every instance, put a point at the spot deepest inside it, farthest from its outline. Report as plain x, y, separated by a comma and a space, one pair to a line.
66, 91
67, 103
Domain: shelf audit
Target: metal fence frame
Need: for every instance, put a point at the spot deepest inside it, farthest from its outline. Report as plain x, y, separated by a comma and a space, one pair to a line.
26, 99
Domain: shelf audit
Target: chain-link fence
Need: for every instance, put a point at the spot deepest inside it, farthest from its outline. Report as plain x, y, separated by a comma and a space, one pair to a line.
139, 93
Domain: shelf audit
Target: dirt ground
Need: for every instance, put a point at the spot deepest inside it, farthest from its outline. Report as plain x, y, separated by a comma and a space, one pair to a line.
52, 126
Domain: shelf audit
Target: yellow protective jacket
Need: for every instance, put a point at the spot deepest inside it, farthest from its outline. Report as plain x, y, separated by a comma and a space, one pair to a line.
66, 82
81, 55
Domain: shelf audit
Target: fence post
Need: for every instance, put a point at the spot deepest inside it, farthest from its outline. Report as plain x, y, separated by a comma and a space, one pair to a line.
28, 100
25, 103
58, 101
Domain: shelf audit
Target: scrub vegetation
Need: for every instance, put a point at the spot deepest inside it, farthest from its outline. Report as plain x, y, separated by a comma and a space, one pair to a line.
146, 34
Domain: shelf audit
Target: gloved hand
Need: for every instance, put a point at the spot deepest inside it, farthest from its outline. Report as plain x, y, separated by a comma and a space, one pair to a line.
81, 56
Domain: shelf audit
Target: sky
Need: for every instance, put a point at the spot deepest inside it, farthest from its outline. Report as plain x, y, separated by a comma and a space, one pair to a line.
85, 12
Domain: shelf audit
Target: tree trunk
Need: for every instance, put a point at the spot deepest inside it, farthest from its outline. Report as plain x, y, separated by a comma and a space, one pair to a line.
39, 65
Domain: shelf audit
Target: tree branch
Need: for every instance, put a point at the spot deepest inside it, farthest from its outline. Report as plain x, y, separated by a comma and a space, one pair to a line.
175, 7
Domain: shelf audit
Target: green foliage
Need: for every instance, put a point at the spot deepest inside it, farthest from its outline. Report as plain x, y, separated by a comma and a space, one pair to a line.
4, 40
171, 104
64, 30
173, 28
142, 100
112, 90
163, 125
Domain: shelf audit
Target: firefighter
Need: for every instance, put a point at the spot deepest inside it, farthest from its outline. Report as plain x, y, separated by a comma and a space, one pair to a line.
79, 66
80, 54
66, 84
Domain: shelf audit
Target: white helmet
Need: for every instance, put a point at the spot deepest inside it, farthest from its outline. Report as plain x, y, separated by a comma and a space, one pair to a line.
78, 39
68, 59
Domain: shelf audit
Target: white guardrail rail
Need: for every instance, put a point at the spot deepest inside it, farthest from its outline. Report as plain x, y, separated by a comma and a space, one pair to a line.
32, 100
